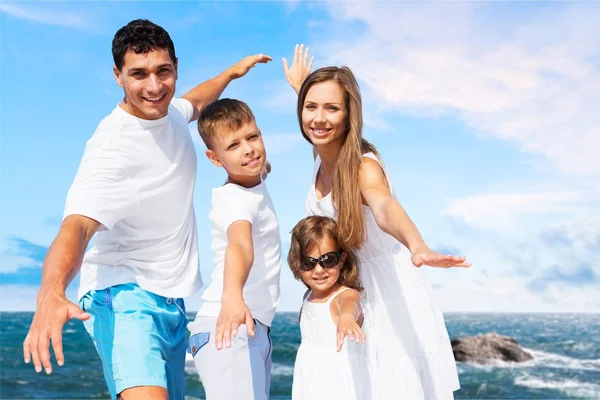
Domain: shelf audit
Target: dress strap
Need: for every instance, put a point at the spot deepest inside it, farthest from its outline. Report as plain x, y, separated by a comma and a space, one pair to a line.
333, 296
316, 171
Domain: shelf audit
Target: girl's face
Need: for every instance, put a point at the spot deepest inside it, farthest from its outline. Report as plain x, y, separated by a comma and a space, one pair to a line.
326, 272
324, 113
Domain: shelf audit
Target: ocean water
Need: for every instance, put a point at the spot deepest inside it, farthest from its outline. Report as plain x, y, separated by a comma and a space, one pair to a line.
566, 364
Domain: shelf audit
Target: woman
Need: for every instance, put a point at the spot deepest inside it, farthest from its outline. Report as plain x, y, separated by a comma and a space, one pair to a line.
408, 348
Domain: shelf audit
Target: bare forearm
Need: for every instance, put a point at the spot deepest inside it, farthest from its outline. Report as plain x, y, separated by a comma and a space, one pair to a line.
394, 221
207, 92
238, 262
350, 308
63, 259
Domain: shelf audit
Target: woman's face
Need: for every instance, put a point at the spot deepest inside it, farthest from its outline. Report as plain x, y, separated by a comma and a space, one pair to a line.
324, 113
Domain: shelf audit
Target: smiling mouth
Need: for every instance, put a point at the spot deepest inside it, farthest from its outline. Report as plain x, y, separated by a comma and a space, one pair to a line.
251, 162
320, 132
154, 99
320, 280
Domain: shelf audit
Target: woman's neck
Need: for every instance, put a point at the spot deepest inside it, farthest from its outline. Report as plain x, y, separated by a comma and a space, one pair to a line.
328, 154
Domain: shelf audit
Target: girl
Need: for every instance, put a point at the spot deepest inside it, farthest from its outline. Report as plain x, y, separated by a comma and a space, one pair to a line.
409, 351
327, 368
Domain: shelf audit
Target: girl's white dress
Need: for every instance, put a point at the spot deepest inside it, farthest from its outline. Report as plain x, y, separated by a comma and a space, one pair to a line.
409, 352
320, 372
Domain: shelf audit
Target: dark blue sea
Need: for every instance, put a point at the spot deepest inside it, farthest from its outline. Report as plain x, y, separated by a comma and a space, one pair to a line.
566, 364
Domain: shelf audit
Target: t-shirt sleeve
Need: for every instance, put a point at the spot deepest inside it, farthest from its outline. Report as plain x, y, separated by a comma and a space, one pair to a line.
184, 106
102, 189
237, 207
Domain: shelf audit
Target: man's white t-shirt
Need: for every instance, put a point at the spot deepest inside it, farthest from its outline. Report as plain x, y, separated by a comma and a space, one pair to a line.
137, 179
231, 203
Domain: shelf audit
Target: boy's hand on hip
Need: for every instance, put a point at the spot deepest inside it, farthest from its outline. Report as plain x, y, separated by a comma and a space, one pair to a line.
233, 314
53, 311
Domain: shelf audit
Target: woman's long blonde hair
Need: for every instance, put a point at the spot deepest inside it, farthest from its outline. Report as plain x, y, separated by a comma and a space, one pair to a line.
345, 191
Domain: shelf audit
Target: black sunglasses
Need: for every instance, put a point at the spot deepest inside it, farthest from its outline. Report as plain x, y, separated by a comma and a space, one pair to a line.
327, 260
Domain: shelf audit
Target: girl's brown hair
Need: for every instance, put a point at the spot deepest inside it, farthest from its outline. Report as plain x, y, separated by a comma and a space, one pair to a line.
308, 233
345, 191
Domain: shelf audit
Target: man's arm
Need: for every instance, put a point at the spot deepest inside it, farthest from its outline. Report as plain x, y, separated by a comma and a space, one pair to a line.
239, 258
53, 310
210, 90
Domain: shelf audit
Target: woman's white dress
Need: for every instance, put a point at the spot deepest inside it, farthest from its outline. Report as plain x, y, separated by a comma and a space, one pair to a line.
322, 373
408, 349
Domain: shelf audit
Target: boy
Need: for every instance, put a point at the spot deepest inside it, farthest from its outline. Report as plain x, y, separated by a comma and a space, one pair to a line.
230, 339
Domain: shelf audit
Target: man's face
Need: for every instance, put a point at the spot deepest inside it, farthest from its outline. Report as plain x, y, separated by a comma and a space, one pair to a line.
148, 81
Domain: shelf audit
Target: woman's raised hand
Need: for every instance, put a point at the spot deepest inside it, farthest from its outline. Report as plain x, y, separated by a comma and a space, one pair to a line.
300, 68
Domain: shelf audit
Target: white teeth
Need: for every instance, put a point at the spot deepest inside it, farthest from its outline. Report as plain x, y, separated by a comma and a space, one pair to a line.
154, 98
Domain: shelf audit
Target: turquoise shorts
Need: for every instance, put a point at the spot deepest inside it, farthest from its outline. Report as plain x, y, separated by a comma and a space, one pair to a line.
139, 336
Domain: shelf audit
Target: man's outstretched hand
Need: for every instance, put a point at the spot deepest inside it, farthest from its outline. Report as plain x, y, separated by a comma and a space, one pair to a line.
53, 311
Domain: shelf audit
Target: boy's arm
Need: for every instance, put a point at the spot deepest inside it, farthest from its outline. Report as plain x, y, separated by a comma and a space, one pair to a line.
393, 220
239, 257
210, 90
53, 310
349, 310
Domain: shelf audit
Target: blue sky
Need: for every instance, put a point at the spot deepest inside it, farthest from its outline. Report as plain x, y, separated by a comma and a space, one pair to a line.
485, 114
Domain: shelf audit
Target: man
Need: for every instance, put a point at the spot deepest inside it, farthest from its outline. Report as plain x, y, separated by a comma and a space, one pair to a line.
134, 191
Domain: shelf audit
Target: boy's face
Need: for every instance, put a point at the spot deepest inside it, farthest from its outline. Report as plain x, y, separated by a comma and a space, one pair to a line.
148, 81
242, 154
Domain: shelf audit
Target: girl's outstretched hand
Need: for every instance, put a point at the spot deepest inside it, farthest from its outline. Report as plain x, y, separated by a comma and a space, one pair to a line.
347, 326
435, 259
297, 73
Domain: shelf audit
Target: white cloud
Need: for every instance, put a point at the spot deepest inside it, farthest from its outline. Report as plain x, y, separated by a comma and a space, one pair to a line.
502, 210
45, 15
531, 78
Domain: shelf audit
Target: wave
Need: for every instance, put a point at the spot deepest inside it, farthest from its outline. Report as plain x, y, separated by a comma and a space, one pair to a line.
545, 360
570, 387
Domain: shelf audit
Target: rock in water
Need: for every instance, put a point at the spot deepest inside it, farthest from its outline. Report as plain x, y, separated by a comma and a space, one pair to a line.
484, 349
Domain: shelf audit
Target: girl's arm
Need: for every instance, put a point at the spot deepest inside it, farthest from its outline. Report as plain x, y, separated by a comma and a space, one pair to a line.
393, 220
349, 313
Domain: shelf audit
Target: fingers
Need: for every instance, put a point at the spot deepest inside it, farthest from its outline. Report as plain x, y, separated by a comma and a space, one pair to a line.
296, 50
305, 56
311, 63
58, 347
250, 324
44, 353
285, 66
340, 339
26, 352
33, 348
73, 311
219, 332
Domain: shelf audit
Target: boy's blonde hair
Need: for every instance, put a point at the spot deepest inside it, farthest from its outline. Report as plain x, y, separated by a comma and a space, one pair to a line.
308, 233
224, 115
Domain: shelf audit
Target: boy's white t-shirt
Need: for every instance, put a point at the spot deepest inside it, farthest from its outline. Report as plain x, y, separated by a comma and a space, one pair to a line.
231, 203
137, 179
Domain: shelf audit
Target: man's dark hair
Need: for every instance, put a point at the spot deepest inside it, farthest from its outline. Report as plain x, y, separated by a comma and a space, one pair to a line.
141, 36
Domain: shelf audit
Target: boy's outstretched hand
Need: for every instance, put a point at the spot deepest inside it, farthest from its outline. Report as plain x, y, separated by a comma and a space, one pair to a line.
233, 314
435, 259
241, 68
300, 69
